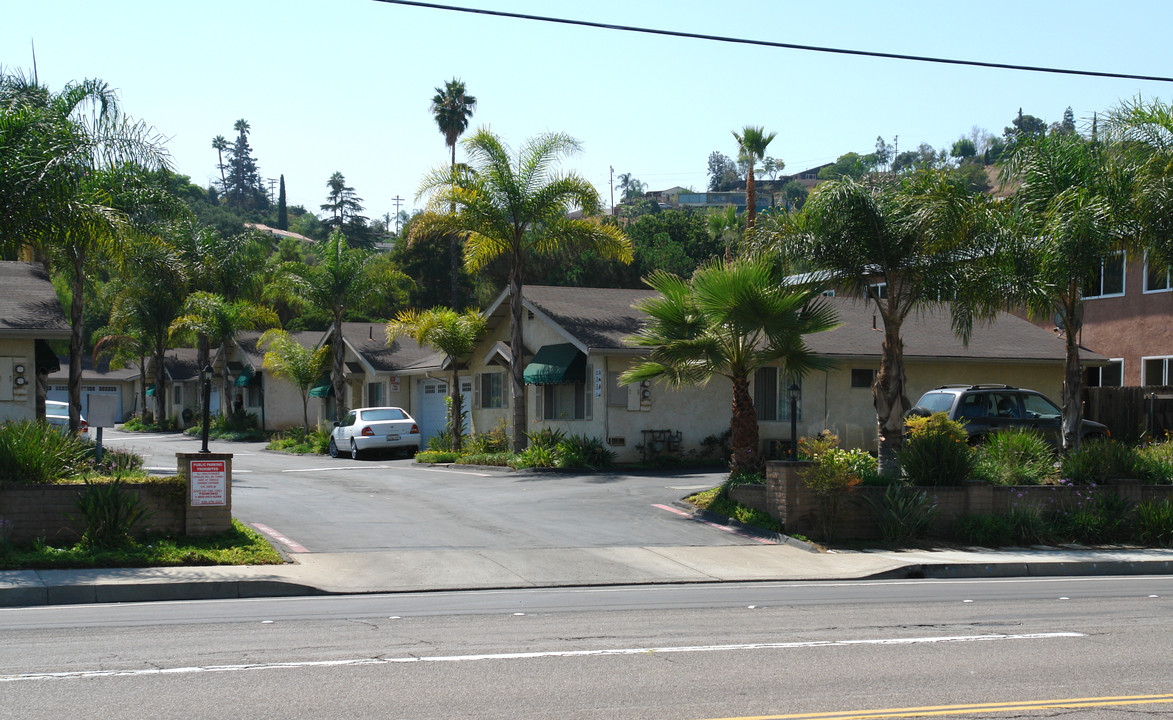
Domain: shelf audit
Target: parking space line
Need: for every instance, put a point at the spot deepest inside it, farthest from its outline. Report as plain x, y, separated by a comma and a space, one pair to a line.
270, 532
339, 467
726, 528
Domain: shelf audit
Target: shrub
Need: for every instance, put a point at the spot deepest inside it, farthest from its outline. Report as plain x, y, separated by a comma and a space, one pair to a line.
494, 441
829, 477
119, 463
435, 456
903, 513
109, 514
984, 530
1156, 461
1095, 518
545, 438
537, 456
1099, 460
1153, 523
579, 451
500, 459
36, 452
297, 440
936, 451
1015, 457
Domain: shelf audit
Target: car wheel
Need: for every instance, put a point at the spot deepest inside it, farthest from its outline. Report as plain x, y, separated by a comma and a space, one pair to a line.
354, 454
333, 449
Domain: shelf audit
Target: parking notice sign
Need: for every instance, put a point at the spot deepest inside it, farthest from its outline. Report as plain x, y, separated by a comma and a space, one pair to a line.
209, 484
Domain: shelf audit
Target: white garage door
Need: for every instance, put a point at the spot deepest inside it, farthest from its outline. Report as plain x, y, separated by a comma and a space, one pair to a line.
432, 416
61, 394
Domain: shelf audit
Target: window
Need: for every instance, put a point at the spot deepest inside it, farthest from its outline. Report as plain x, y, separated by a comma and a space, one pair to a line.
1110, 375
616, 393
881, 290
862, 377
493, 390
1156, 277
784, 397
254, 395
765, 393
1155, 370
1038, 407
177, 394
374, 394
565, 402
1108, 280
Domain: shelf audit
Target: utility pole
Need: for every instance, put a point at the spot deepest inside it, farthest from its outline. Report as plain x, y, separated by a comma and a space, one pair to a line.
895, 151
398, 201
612, 184
272, 187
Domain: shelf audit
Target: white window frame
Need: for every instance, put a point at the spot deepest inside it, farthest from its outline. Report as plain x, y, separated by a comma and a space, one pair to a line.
617, 395
1168, 279
485, 399
1123, 278
881, 289
552, 404
1100, 373
177, 394
1144, 370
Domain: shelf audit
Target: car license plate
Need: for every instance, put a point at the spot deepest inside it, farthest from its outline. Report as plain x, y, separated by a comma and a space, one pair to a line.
392, 438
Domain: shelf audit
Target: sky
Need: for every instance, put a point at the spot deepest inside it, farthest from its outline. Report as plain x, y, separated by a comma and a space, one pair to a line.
346, 85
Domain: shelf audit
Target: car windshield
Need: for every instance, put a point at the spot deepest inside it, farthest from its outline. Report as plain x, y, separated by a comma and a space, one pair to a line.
1040, 407
936, 401
383, 414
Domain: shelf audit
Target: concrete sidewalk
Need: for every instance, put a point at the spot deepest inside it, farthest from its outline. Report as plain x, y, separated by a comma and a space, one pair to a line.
477, 569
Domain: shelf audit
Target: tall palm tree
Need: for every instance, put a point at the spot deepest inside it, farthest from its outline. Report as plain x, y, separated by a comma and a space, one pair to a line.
288, 359
211, 316
515, 207
1070, 215
897, 245
1142, 136
70, 167
452, 333
452, 107
730, 320
340, 279
220, 144
752, 142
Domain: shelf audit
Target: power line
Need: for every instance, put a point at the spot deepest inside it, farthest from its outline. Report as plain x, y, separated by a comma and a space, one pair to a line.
788, 46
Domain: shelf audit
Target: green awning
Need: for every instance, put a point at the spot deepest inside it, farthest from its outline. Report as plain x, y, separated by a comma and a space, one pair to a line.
323, 388
150, 391
245, 376
556, 365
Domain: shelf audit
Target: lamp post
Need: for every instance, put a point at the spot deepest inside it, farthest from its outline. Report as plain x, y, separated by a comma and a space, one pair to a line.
206, 376
793, 392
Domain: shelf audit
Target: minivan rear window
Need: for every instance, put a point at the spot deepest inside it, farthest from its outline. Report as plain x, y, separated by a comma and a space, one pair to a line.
936, 401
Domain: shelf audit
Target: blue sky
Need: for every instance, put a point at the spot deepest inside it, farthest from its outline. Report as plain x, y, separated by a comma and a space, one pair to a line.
345, 85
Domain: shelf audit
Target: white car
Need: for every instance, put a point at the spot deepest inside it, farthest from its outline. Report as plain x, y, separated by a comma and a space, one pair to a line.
377, 428
57, 415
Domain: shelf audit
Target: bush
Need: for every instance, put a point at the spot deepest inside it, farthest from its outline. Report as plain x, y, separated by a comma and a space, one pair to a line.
1100, 460
1153, 523
501, 459
1156, 461
494, 441
579, 451
984, 530
436, 456
1015, 457
109, 514
903, 513
936, 451
829, 477
537, 456
545, 438
297, 440
36, 452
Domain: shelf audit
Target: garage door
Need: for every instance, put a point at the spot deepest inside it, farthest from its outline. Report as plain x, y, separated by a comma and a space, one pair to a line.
432, 416
61, 394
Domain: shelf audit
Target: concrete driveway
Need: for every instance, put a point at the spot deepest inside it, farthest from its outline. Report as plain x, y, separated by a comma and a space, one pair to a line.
318, 504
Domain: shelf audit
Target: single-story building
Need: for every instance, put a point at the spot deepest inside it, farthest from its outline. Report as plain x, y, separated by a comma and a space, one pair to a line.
30, 315
99, 379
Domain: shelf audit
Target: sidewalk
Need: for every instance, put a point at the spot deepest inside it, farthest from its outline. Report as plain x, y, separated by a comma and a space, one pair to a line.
480, 569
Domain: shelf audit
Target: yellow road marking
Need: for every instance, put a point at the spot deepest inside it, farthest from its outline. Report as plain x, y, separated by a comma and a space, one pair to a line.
933, 710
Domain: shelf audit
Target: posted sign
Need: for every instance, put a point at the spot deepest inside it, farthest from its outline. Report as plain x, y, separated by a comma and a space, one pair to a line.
209, 482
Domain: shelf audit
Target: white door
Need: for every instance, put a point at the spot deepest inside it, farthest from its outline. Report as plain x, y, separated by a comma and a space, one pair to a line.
433, 410
61, 394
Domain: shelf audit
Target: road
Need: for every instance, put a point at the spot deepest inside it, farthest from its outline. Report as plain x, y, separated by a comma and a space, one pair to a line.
328, 505
716, 651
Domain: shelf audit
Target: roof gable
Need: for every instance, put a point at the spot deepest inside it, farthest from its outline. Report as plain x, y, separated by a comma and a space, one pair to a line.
28, 305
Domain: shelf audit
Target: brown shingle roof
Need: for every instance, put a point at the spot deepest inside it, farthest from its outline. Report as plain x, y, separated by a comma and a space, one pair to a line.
28, 304
597, 317
370, 341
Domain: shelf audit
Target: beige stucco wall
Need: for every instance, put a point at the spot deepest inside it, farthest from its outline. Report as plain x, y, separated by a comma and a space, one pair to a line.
17, 402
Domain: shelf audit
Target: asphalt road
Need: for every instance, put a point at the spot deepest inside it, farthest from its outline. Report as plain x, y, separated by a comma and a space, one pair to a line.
1008, 648
328, 505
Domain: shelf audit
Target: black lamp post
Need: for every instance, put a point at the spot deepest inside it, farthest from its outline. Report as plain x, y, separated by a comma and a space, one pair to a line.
794, 391
206, 377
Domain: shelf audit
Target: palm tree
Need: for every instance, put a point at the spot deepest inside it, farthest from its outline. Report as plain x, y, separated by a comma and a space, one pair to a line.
211, 316
898, 246
220, 144
1068, 220
452, 108
725, 227
513, 207
452, 333
69, 175
752, 142
1143, 138
288, 359
341, 279
729, 320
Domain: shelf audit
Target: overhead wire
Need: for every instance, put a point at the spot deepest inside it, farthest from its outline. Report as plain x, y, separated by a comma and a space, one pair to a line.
772, 44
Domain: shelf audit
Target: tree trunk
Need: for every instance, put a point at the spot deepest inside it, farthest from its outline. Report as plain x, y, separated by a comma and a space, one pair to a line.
340, 408
1072, 378
454, 251
454, 418
77, 325
751, 198
517, 363
744, 430
160, 400
890, 400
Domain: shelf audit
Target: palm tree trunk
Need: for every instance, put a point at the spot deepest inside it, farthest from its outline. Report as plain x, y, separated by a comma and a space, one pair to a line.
340, 408
454, 252
77, 323
751, 198
1072, 379
516, 350
160, 400
455, 415
889, 399
744, 430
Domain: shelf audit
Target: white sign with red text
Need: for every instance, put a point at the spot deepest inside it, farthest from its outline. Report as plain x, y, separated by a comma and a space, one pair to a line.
209, 482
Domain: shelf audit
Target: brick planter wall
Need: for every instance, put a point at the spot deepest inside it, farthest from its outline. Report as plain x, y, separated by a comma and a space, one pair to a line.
789, 500
43, 511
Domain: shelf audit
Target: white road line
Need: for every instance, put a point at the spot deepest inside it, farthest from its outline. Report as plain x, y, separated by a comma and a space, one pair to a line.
293, 546
89, 674
688, 487
455, 472
339, 467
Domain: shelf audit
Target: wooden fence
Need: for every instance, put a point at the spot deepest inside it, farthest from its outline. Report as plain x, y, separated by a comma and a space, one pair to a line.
1131, 412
